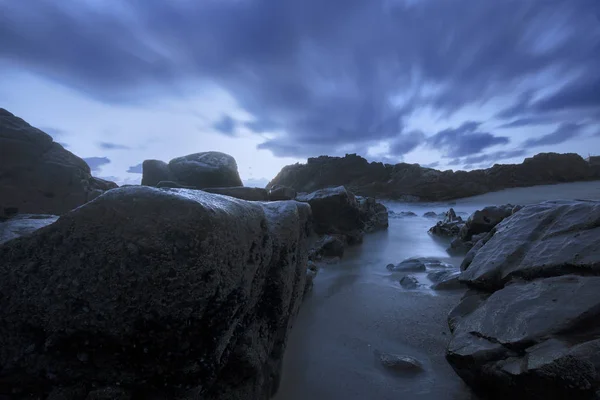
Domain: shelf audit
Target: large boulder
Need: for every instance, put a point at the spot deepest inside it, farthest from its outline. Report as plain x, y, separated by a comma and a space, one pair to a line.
412, 182
241, 192
206, 170
153, 293
37, 175
154, 172
528, 328
279, 192
375, 215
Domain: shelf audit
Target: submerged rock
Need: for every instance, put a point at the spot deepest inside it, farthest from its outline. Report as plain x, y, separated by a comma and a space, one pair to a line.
529, 329
399, 363
160, 290
419, 264
38, 175
409, 282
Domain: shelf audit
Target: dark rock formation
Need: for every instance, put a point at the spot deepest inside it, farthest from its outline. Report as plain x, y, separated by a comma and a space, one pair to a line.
23, 225
412, 182
279, 192
399, 363
409, 282
373, 214
37, 175
328, 246
153, 293
241, 192
419, 264
529, 327
210, 169
450, 226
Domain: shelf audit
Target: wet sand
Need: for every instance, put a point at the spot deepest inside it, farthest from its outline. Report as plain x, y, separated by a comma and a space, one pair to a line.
357, 307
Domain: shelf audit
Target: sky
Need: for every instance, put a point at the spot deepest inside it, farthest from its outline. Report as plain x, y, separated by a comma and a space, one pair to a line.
458, 84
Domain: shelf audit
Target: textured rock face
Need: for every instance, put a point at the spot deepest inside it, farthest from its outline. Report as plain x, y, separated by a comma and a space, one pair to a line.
375, 215
37, 175
279, 192
153, 289
412, 182
210, 169
528, 329
241, 192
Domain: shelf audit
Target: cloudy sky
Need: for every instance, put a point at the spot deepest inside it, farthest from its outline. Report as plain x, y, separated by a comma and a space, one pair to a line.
452, 84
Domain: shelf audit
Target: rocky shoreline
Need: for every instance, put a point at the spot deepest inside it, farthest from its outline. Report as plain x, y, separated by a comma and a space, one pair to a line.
187, 286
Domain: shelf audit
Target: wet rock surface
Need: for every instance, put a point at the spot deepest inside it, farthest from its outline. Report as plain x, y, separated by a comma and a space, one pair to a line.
23, 225
241, 192
399, 363
153, 289
38, 175
529, 327
409, 282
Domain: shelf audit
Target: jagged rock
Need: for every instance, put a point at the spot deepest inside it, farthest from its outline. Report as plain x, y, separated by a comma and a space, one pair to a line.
411, 182
450, 226
373, 214
528, 329
279, 192
409, 282
206, 170
23, 225
37, 175
241, 192
161, 290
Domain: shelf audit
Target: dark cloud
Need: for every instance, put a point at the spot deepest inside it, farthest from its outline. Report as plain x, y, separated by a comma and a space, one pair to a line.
226, 125
324, 73
582, 94
464, 140
135, 169
406, 143
560, 135
96, 162
112, 146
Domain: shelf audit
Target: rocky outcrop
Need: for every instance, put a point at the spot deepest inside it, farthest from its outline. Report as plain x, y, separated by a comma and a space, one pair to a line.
408, 182
153, 293
210, 169
279, 192
241, 192
374, 214
468, 233
37, 175
23, 225
529, 327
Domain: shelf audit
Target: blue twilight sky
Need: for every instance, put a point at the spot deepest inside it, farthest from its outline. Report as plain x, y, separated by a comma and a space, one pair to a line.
446, 83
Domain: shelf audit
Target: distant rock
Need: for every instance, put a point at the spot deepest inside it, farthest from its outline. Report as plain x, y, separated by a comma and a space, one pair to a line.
528, 327
37, 175
401, 214
411, 182
160, 292
241, 192
430, 214
409, 282
23, 225
373, 214
210, 169
279, 192
450, 226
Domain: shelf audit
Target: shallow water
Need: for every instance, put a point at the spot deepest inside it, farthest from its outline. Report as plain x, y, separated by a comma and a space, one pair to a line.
357, 307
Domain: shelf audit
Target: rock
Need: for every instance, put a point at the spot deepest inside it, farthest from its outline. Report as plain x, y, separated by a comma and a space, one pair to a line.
311, 273
545, 239
449, 281
409, 282
430, 214
399, 363
330, 246
23, 225
241, 192
37, 175
373, 214
155, 171
482, 221
450, 226
279, 192
155, 289
411, 182
173, 185
210, 169
528, 328
419, 264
